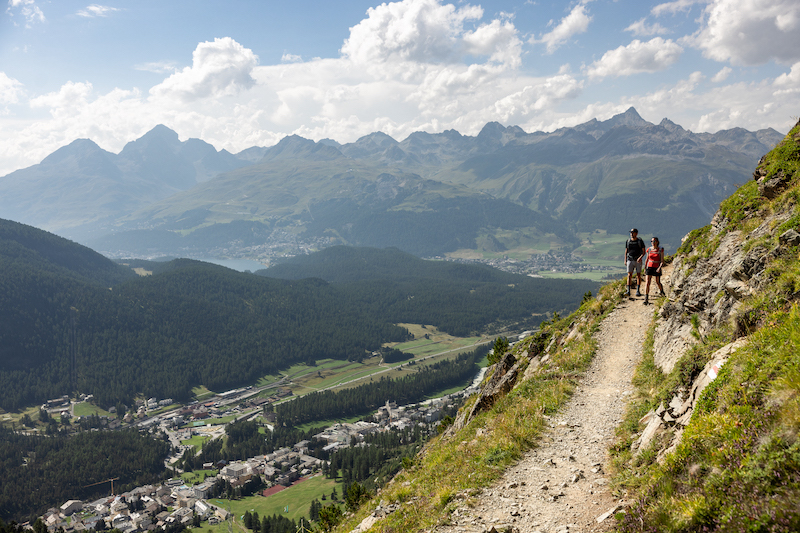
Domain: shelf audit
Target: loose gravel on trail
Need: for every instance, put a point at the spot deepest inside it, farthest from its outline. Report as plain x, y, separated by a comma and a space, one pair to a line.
561, 485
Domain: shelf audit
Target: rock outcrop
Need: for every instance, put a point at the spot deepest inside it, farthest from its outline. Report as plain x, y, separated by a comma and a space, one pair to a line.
675, 416
708, 288
504, 376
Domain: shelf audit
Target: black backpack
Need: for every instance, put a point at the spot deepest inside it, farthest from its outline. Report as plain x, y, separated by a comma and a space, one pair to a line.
640, 244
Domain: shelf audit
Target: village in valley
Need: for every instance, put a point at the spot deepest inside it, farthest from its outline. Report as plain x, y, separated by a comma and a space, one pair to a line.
178, 503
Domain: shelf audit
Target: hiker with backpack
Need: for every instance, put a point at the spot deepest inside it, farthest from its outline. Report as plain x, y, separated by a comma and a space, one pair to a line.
634, 252
655, 260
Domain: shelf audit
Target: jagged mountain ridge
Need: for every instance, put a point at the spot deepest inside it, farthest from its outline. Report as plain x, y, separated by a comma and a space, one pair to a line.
598, 175
83, 186
602, 174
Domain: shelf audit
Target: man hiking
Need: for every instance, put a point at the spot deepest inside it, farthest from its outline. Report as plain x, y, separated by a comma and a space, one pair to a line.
634, 251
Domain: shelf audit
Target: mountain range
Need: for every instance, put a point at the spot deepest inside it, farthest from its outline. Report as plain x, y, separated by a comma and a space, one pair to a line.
429, 194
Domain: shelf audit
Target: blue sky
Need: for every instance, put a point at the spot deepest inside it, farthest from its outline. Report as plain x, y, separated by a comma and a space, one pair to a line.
244, 73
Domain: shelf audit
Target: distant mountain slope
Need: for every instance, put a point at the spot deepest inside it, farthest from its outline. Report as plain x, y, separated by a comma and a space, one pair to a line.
399, 285
72, 320
316, 193
618, 173
379, 192
345, 264
81, 188
429, 194
27, 246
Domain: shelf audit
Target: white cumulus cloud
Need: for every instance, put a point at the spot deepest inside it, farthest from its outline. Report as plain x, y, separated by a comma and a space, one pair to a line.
576, 22
497, 40
722, 75
673, 7
291, 58
518, 107
67, 101
219, 68
651, 56
423, 31
10, 89
157, 67
788, 83
750, 32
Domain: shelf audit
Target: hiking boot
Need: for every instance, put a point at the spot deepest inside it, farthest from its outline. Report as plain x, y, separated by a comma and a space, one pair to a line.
662, 293
637, 292
646, 300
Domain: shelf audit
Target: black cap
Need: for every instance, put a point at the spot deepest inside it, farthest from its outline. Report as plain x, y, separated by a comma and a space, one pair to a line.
634, 230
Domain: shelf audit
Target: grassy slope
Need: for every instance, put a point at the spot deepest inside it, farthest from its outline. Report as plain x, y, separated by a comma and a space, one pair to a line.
737, 467
473, 457
739, 464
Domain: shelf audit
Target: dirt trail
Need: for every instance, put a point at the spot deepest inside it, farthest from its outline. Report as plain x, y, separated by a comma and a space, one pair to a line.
561, 485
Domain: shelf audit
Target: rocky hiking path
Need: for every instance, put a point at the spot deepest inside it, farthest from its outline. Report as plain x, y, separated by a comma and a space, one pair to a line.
561, 485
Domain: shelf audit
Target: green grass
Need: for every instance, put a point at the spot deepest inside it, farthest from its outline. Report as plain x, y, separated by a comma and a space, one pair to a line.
196, 441
336, 374
786, 156
202, 393
297, 497
737, 467
88, 409
601, 276
738, 464
197, 476
601, 248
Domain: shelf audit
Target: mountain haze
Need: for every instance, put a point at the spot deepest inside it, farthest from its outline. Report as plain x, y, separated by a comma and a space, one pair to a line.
429, 194
82, 188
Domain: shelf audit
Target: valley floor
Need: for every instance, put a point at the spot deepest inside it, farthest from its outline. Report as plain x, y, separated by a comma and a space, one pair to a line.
561, 485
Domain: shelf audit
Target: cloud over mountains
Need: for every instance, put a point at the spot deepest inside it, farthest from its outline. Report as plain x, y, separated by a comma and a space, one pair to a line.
429, 65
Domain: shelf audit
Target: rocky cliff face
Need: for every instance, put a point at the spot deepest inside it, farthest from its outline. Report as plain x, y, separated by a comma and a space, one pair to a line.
727, 390
716, 273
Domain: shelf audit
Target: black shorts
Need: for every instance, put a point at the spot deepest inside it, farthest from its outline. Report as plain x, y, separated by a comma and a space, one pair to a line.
652, 271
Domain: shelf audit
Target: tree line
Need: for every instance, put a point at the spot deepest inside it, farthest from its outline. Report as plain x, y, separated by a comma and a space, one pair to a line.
363, 399
72, 321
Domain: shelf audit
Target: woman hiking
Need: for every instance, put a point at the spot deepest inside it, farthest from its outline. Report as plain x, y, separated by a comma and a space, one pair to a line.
654, 261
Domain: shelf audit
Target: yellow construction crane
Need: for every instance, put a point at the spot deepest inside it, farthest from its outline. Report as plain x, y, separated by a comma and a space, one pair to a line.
104, 481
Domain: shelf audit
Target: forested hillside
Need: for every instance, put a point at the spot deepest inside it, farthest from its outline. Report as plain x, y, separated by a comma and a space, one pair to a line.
190, 323
59, 468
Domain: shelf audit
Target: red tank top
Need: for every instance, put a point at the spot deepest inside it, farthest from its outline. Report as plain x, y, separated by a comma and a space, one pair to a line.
654, 257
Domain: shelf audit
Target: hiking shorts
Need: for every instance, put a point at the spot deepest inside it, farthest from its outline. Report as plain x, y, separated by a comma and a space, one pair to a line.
634, 265
653, 271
